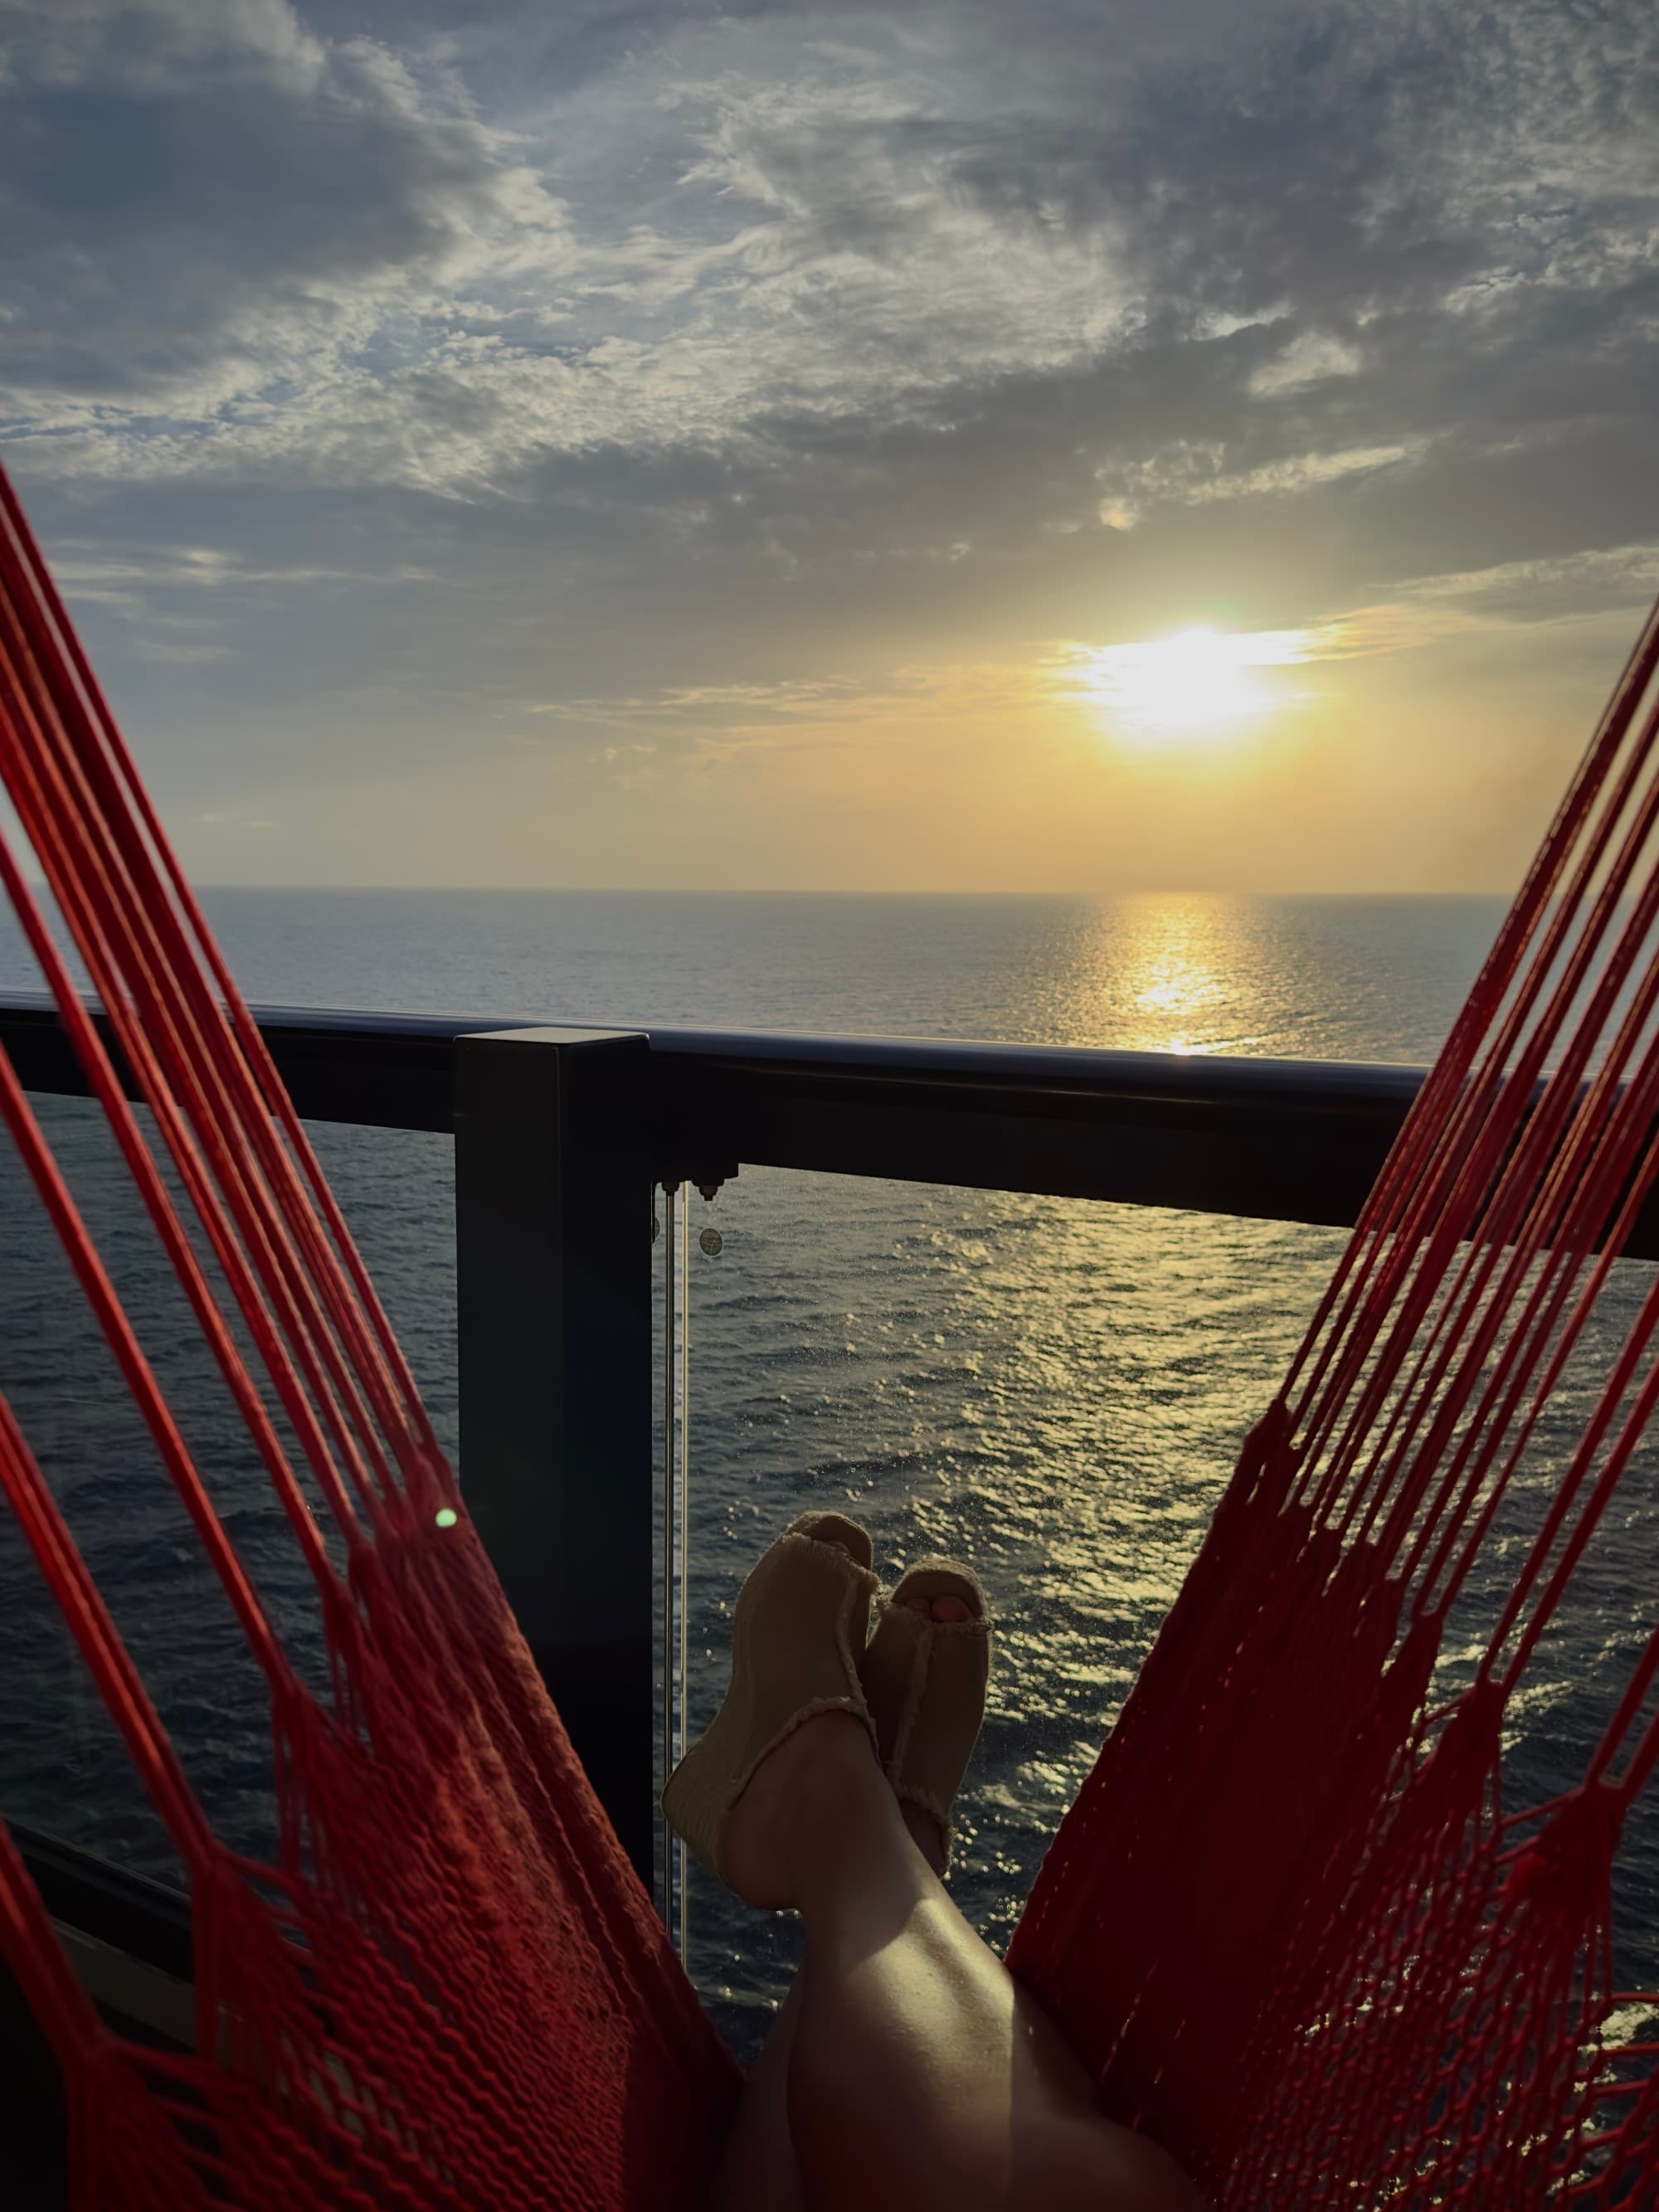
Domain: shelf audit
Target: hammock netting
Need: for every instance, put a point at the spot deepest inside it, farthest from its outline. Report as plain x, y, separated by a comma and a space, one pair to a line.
1292, 1924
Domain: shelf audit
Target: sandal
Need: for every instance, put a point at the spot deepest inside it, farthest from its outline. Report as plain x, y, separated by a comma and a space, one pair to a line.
799, 1625
925, 1682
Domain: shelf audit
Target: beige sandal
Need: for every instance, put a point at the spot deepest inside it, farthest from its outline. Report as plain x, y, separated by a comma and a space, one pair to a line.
925, 1681
797, 1633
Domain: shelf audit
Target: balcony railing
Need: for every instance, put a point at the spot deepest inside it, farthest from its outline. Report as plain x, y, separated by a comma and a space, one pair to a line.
561, 1135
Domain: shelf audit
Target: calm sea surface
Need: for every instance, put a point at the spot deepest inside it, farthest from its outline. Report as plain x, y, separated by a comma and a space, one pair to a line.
1055, 1389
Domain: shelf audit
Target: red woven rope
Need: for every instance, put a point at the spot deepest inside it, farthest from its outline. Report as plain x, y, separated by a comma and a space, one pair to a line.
1290, 1922
448, 1988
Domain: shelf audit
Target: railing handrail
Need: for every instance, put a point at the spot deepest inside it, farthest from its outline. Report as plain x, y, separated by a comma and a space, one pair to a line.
1275, 1138
1104, 1069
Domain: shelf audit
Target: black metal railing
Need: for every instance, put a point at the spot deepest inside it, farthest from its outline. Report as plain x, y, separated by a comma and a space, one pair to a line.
561, 1136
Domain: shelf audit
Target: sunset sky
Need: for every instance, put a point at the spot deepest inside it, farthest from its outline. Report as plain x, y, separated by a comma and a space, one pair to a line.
1087, 444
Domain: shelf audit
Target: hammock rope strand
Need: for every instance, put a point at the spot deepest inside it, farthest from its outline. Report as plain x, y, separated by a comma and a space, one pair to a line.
1290, 1924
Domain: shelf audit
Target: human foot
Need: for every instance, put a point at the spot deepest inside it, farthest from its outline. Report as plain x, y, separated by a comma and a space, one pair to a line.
822, 1774
924, 1673
946, 1609
799, 1625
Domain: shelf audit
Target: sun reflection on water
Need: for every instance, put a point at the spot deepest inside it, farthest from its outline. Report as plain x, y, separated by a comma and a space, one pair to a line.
1177, 974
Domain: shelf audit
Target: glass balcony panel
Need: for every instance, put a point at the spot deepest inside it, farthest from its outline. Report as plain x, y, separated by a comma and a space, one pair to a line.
1056, 1390
1052, 1389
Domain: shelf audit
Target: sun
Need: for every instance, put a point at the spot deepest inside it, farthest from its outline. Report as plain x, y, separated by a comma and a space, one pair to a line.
1199, 683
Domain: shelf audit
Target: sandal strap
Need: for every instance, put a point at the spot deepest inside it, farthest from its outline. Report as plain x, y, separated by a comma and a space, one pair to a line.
925, 1680
797, 1632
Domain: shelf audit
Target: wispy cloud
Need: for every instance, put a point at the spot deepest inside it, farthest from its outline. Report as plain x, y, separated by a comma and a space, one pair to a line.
385, 288
1187, 474
542, 383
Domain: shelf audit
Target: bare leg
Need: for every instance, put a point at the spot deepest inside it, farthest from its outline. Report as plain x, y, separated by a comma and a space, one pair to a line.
913, 2065
758, 2164
758, 2167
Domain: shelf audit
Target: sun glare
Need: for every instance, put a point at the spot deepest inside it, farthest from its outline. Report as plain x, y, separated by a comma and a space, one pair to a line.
1199, 683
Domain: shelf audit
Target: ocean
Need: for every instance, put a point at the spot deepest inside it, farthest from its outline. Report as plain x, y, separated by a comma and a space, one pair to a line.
1056, 1389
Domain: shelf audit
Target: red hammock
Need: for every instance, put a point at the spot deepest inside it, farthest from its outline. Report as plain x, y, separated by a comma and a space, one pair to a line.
1289, 1923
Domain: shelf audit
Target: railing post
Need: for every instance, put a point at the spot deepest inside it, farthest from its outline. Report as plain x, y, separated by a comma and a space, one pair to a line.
553, 1288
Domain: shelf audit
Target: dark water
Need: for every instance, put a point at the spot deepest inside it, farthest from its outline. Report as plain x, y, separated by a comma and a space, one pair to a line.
1055, 1388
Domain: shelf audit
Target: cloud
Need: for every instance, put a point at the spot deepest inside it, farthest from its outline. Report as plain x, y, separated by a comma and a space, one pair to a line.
206, 207
240, 246
1623, 576
1310, 356
705, 725
163, 649
1190, 474
1508, 598
459, 327
127, 574
92, 571
383, 374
